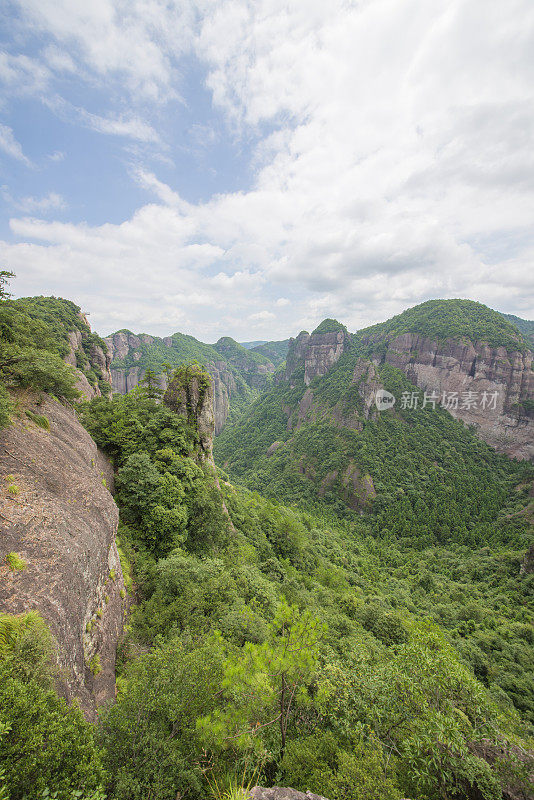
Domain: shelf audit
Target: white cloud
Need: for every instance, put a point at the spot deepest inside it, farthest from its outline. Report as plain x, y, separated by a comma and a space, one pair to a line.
11, 146
50, 202
396, 165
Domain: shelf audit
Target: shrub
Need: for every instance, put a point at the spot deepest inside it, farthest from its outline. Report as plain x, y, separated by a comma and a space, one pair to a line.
94, 665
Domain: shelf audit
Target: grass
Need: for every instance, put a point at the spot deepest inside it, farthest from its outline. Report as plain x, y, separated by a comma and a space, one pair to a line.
15, 562
39, 419
94, 665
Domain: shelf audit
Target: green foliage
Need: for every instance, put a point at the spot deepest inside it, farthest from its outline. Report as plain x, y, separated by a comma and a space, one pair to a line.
45, 746
263, 683
276, 352
450, 319
39, 419
152, 748
524, 326
94, 665
15, 562
330, 326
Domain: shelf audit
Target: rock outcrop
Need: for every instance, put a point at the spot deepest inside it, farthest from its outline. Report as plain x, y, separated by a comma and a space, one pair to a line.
281, 793
87, 356
315, 352
58, 515
125, 345
190, 395
494, 387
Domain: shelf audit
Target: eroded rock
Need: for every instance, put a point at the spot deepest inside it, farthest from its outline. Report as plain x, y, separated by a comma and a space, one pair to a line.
63, 522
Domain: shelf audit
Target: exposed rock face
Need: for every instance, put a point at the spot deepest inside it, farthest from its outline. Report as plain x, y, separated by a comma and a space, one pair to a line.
280, 793
97, 359
193, 399
123, 380
63, 523
455, 367
316, 352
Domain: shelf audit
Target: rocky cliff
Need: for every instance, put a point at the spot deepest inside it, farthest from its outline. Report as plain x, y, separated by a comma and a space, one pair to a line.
128, 357
59, 517
91, 360
315, 352
491, 388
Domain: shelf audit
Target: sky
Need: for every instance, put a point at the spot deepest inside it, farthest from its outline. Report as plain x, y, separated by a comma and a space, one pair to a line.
250, 167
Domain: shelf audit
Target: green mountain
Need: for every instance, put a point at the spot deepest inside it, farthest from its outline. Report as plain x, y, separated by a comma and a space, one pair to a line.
451, 319
351, 615
524, 326
275, 351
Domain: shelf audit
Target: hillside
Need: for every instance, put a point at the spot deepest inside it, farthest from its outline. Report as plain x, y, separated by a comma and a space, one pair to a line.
238, 373
458, 320
361, 628
524, 326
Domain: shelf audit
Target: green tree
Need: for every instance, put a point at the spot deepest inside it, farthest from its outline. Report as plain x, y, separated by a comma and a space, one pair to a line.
150, 385
263, 683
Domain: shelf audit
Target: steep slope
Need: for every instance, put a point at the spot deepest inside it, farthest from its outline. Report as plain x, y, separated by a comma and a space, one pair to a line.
275, 351
235, 372
318, 435
37, 332
471, 360
524, 326
59, 517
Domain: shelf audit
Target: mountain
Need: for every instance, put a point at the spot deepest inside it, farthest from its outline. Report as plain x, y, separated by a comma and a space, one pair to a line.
238, 374
317, 432
357, 623
524, 326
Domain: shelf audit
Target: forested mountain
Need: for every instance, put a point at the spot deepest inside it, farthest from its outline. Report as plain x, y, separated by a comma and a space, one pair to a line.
348, 611
238, 374
525, 326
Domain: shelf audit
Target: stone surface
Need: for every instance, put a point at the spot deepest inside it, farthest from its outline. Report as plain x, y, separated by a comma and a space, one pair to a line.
281, 793
451, 366
123, 380
97, 359
63, 523
316, 352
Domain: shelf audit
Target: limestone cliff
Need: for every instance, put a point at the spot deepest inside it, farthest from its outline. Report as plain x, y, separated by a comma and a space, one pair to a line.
58, 515
505, 419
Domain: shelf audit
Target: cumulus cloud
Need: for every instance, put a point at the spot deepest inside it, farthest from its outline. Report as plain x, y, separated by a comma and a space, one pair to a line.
394, 164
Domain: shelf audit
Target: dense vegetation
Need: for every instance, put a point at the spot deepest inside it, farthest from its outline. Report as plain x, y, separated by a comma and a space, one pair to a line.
524, 326
34, 340
329, 326
451, 319
157, 357
276, 352
370, 652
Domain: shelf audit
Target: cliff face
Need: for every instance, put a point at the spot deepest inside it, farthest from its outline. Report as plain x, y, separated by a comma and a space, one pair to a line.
316, 352
502, 416
90, 358
123, 345
62, 521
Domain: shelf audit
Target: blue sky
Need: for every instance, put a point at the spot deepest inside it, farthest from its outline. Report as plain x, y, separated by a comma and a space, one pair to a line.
248, 167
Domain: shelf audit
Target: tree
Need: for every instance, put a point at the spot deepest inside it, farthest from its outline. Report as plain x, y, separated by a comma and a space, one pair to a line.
263, 683
5, 276
150, 385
